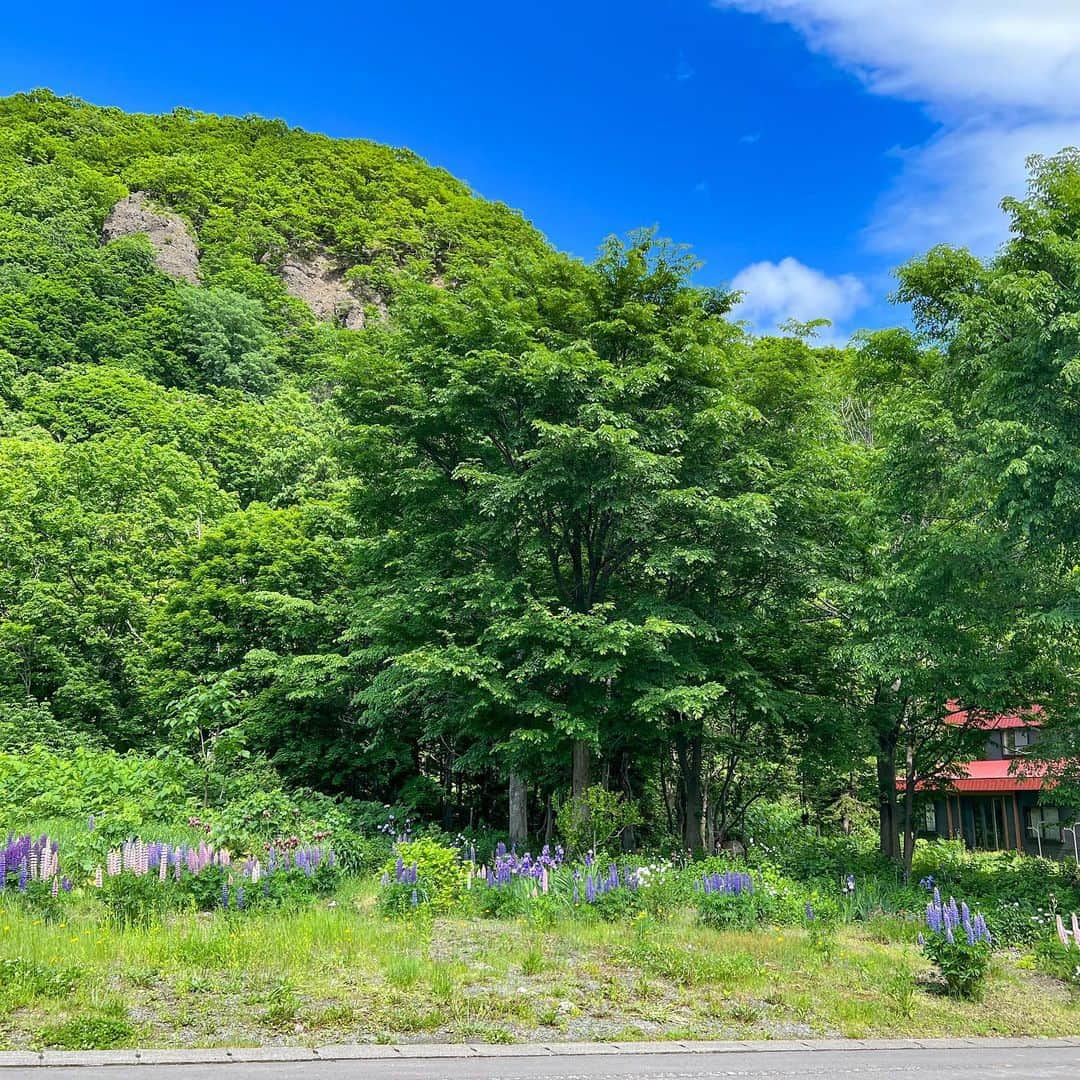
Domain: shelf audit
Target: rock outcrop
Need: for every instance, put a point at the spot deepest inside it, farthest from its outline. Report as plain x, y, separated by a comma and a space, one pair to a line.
320, 283
175, 251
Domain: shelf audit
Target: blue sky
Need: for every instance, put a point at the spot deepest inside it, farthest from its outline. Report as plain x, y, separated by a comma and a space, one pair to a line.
801, 147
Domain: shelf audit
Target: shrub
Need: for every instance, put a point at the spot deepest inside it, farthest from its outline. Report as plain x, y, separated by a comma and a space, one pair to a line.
499, 902
777, 836
958, 943
727, 901
594, 820
723, 911
438, 882
1013, 923
141, 901
361, 854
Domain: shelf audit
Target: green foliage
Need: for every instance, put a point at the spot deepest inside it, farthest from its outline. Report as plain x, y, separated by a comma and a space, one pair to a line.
963, 967
138, 900
138, 412
129, 794
1035, 884
441, 876
88, 1032
22, 982
261, 569
1059, 961
283, 888
822, 927
720, 911
594, 821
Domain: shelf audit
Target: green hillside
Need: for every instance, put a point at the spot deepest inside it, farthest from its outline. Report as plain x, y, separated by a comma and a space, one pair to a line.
147, 421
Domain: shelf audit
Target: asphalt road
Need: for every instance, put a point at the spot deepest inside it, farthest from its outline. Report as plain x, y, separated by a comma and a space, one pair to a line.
970, 1063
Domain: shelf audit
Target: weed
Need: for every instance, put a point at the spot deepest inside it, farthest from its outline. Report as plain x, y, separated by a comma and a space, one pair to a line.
87, 1033
532, 963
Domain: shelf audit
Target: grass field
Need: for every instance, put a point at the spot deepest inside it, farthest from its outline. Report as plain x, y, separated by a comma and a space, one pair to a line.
335, 971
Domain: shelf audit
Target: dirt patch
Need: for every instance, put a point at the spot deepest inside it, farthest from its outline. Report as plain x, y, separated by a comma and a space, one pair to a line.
320, 283
175, 251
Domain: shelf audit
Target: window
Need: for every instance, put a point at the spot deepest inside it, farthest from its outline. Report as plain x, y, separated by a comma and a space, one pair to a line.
1047, 820
1016, 740
931, 819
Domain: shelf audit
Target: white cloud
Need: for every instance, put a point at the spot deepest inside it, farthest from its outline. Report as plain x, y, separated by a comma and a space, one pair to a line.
788, 289
947, 52
1002, 78
949, 189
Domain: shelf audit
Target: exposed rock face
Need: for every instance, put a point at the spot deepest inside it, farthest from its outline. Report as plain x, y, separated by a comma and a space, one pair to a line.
174, 247
319, 283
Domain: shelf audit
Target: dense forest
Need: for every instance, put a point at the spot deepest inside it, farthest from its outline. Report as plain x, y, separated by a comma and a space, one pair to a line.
315, 464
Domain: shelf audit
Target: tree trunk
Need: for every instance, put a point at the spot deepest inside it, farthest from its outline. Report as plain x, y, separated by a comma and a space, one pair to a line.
579, 781
693, 802
519, 810
888, 822
908, 815
629, 834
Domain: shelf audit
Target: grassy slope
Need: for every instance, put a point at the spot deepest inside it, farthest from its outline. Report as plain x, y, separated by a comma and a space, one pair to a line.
340, 973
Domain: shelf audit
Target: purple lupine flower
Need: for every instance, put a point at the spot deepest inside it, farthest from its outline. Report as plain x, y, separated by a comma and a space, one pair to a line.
224, 896
240, 898
730, 883
808, 911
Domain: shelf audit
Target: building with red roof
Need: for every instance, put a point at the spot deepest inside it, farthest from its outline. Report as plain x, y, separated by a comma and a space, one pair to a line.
996, 802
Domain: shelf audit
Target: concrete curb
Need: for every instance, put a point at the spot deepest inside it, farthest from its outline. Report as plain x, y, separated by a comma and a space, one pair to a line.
356, 1052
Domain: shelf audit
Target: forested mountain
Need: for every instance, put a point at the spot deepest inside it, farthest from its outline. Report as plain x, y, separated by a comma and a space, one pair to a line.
171, 496
307, 453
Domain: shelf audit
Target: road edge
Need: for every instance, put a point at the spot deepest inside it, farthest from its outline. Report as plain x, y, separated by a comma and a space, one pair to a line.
413, 1051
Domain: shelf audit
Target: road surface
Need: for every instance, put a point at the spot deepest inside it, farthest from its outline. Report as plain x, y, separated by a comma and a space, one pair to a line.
969, 1062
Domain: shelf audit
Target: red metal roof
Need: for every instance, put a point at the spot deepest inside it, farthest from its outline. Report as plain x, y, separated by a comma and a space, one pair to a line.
1025, 718
990, 776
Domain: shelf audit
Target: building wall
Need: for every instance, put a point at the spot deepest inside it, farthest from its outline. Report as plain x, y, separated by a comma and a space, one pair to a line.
961, 815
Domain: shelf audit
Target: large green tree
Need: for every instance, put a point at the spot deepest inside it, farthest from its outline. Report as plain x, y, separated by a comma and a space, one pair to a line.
1009, 334
584, 500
